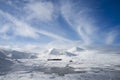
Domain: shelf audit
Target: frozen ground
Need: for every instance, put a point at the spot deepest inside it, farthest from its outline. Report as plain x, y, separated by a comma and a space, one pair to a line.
87, 65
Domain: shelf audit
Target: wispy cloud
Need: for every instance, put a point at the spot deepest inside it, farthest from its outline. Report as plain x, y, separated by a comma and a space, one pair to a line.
111, 36
42, 10
21, 28
64, 44
3, 31
25, 30
52, 35
80, 21
4, 28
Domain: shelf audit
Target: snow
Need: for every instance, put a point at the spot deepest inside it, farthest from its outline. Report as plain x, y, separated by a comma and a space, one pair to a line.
76, 49
85, 65
56, 51
61, 52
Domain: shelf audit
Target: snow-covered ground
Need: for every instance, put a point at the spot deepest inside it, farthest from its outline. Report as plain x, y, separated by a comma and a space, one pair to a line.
81, 65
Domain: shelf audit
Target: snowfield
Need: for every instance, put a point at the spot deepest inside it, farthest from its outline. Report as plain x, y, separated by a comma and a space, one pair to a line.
75, 64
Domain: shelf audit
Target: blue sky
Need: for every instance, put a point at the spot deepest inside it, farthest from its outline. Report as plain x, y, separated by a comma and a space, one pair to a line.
56, 22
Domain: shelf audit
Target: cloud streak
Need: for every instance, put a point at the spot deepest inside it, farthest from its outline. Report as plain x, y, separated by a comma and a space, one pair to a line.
3, 32
110, 37
44, 11
80, 21
25, 30
20, 28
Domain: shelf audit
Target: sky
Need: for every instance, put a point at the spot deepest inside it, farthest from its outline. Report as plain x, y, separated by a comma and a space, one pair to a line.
30, 24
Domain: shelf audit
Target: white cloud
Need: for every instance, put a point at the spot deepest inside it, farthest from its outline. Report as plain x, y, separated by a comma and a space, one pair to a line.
52, 35
40, 9
4, 28
5, 47
63, 44
35, 48
3, 31
79, 20
110, 37
23, 29
5, 37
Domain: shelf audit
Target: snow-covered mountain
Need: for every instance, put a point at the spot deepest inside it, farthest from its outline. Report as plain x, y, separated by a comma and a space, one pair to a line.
61, 52
56, 51
5, 63
17, 54
8, 58
76, 49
